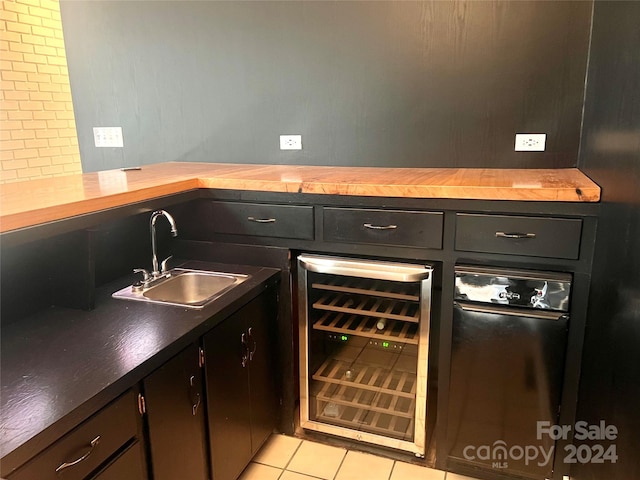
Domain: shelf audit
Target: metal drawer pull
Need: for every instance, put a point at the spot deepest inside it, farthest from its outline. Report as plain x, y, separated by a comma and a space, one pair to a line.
380, 227
94, 442
261, 220
515, 235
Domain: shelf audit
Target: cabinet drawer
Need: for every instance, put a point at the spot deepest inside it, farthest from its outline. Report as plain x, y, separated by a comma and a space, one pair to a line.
114, 425
383, 227
513, 235
128, 466
265, 220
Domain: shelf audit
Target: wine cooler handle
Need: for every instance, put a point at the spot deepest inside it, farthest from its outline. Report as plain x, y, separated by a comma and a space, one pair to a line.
245, 350
195, 396
254, 345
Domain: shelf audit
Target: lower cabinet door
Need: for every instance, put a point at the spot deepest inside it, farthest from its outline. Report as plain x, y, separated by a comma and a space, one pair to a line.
129, 465
228, 406
176, 419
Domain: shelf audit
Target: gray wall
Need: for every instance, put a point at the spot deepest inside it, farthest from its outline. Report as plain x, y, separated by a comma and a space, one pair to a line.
418, 84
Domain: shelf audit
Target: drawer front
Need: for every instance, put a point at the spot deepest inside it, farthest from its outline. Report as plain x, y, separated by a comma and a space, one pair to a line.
384, 227
512, 235
128, 466
115, 425
265, 220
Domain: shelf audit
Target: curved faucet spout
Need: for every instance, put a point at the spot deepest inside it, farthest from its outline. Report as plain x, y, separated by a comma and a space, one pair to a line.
152, 226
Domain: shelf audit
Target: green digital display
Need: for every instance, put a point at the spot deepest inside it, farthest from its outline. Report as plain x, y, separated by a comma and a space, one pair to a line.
344, 338
385, 344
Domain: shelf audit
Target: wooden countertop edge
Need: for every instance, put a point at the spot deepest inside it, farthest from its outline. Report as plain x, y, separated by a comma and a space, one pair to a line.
578, 188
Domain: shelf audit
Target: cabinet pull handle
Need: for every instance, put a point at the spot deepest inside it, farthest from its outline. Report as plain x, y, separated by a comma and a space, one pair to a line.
194, 395
245, 350
261, 220
254, 345
380, 227
515, 235
92, 445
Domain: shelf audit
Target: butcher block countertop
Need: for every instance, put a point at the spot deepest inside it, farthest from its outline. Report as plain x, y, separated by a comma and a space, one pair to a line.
34, 202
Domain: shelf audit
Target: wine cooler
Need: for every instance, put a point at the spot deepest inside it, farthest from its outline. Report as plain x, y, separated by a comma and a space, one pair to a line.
364, 339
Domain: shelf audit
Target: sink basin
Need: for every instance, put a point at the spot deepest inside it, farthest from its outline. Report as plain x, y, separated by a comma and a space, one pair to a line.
184, 287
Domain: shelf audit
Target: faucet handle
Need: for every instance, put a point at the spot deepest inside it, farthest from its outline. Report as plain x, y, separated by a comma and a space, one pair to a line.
146, 276
163, 265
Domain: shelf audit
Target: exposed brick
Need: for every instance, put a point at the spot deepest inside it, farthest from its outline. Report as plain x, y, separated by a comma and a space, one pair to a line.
5, 135
57, 61
51, 23
46, 133
29, 19
6, 85
62, 97
66, 115
50, 4
35, 125
44, 115
32, 58
40, 12
18, 27
4, 45
10, 36
29, 173
5, 65
19, 76
51, 69
54, 42
13, 56
43, 96
53, 169
72, 167
9, 105
49, 152
30, 2
57, 123
50, 87
8, 16
42, 50
20, 47
28, 86
8, 175
25, 153
11, 125
15, 7
14, 164
67, 132
53, 106
6, 155
43, 31
12, 145
40, 161
29, 105
41, 143
34, 39
3, 116
24, 67
61, 160
70, 150
39, 77
15, 95
60, 142
22, 135
20, 115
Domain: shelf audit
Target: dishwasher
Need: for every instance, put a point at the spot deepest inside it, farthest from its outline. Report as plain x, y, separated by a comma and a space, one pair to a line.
507, 365
364, 339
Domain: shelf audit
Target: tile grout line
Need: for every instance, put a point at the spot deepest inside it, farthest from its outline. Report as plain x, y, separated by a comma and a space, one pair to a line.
341, 462
392, 469
290, 458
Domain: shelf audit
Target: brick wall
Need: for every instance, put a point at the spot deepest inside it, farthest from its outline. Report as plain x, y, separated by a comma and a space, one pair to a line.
37, 126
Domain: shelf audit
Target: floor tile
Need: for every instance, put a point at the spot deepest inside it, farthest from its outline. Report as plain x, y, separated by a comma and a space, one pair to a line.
408, 471
277, 451
455, 476
257, 471
287, 475
358, 466
317, 460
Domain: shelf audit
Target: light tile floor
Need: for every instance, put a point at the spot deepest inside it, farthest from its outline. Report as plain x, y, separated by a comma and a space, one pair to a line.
288, 458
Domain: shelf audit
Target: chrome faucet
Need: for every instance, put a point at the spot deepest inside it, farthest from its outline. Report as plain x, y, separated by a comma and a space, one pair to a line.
156, 272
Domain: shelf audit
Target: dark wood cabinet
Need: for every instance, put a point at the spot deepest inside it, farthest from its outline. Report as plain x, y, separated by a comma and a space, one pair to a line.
128, 465
91, 445
241, 396
174, 401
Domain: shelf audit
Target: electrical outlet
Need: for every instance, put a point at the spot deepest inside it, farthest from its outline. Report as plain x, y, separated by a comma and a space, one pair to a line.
108, 137
290, 142
530, 142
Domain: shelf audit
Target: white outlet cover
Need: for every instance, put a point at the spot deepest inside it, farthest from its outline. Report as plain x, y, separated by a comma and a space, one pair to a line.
530, 142
108, 137
290, 142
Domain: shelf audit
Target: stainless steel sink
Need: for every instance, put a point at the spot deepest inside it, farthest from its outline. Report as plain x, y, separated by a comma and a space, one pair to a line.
183, 287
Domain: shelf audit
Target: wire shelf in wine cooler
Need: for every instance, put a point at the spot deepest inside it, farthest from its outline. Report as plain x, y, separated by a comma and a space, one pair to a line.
367, 377
371, 306
377, 288
393, 330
